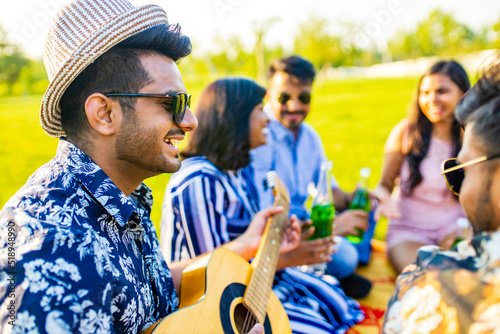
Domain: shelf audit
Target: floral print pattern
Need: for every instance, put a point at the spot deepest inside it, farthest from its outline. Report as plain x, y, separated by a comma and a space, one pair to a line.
81, 257
454, 291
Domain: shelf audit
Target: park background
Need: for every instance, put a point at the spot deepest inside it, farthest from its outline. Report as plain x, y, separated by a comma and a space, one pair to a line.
368, 54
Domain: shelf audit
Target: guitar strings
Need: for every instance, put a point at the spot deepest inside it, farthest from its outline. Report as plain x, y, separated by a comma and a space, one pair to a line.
245, 324
250, 321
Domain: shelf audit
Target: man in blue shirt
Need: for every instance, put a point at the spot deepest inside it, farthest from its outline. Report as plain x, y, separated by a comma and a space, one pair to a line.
79, 252
295, 151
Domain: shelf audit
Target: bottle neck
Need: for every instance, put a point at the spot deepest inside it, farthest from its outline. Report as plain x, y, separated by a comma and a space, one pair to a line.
363, 182
324, 192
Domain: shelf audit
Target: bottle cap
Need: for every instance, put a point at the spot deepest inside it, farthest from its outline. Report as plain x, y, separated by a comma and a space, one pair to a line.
328, 164
462, 222
311, 189
365, 172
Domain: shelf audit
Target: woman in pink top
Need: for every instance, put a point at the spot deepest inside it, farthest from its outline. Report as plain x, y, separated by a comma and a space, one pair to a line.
422, 210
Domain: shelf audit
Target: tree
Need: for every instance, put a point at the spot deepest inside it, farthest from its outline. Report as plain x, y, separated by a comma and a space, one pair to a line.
12, 62
317, 42
496, 36
231, 57
260, 30
33, 77
439, 34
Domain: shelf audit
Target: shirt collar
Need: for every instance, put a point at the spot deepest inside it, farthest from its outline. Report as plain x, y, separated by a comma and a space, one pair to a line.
280, 130
95, 181
486, 241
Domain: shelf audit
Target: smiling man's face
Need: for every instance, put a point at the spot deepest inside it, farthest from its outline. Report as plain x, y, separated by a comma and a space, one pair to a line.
148, 137
293, 111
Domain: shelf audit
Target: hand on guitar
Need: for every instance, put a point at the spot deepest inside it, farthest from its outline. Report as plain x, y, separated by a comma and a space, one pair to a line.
246, 245
257, 329
309, 252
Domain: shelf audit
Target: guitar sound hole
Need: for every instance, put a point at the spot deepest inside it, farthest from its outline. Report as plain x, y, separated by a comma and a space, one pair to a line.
244, 319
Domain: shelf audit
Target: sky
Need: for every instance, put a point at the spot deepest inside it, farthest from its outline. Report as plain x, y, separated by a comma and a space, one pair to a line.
376, 21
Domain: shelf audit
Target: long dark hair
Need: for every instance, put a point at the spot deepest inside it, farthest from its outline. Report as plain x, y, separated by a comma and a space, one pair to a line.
420, 128
223, 113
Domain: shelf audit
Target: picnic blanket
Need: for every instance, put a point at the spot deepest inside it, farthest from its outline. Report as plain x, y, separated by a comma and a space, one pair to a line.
383, 278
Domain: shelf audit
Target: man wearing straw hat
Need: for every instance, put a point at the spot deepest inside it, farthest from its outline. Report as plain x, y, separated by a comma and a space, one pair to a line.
79, 251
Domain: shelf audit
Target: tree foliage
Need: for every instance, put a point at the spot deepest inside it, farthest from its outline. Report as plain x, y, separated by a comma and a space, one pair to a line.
324, 42
316, 43
12, 62
439, 34
496, 34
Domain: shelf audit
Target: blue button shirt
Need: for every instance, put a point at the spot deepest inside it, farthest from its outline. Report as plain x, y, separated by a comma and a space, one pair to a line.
296, 160
77, 255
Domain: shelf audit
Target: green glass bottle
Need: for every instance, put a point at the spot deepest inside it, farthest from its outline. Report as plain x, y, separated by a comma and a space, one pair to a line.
323, 209
322, 216
360, 201
463, 227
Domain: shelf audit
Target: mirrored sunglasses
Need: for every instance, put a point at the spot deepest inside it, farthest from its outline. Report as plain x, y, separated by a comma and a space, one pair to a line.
304, 98
180, 102
453, 172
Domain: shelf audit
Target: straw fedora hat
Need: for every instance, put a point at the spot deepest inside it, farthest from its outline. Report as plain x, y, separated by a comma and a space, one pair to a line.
80, 33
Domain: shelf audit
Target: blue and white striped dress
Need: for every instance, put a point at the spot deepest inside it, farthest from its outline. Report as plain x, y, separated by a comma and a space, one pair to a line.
205, 207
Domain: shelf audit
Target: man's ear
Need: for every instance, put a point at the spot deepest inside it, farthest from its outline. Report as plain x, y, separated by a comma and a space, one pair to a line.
267, 96
104, 114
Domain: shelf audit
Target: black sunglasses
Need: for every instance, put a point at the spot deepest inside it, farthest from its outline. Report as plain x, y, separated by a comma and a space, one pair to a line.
180, 101
304, 98
454, 174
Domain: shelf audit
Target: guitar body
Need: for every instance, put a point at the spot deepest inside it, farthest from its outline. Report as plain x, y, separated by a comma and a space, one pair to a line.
223, 293
211, 298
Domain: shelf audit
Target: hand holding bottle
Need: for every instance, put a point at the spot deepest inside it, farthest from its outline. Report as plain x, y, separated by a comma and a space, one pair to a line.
309, 252
349, 222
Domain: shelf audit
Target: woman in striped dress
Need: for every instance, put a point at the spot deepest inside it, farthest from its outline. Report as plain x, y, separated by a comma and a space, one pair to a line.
212, 199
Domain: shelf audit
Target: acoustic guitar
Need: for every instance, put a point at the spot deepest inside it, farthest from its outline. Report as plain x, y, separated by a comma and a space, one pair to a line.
223, 293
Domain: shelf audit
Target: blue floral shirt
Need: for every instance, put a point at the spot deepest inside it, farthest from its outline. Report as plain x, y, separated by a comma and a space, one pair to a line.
78, 256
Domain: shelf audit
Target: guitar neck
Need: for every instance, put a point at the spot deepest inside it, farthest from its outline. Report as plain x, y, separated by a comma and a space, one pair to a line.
259, 288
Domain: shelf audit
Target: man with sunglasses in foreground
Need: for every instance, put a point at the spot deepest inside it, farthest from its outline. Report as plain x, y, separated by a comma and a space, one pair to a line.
458, 291
78, 250
295, 151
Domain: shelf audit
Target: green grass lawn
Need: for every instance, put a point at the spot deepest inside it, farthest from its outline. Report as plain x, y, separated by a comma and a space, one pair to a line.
353, 117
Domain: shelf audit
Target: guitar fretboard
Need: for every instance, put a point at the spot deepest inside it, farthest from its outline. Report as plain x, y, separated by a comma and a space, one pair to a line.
258, 290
